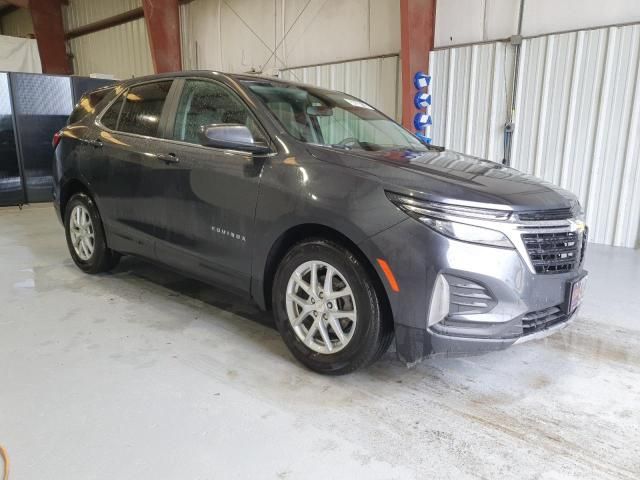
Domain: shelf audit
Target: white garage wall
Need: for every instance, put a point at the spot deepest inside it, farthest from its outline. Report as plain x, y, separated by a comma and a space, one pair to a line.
122, 51
578, 124
577, 117
468, 21
17, 23
266, 35
471, 21
19, 55
254, 35
471, 96
374, 80
83, 12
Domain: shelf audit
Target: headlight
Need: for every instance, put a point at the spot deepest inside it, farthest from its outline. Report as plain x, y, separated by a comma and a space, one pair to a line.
449, 220
468, 233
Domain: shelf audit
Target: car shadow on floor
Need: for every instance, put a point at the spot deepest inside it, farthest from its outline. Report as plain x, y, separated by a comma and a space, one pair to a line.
179, 284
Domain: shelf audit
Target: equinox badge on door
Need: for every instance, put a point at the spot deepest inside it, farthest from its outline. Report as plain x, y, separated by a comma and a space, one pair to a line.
228, 233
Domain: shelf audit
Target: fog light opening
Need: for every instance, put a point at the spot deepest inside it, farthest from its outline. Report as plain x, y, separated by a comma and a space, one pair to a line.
439, 308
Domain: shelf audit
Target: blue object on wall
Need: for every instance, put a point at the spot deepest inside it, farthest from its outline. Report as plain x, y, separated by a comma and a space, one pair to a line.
421, 80
420, 120
422, 100
424, 138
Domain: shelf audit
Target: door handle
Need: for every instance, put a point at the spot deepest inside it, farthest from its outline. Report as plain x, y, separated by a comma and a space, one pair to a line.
95, 143
168, 157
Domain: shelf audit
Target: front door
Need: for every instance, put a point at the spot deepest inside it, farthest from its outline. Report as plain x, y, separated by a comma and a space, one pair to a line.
210, 194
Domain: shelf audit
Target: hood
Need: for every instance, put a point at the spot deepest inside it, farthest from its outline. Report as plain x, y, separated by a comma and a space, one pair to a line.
451, 177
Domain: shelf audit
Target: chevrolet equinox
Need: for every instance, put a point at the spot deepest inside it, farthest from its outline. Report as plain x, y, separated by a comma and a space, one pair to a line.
322, 209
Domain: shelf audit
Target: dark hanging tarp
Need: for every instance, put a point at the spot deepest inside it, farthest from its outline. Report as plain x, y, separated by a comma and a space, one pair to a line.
32, 108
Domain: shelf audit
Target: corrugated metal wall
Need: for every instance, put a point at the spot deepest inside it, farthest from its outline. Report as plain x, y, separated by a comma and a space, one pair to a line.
17, 23
471, 92
577, 117
578, 123
122, 51
83, 12
373, 80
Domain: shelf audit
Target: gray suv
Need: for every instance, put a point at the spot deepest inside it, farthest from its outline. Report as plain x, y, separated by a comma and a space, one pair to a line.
315, 205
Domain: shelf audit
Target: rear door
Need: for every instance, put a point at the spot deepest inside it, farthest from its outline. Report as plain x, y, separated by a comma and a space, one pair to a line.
210, 194
127, 179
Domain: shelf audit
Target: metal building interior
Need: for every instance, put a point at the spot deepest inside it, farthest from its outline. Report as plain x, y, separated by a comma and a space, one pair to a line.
147, 372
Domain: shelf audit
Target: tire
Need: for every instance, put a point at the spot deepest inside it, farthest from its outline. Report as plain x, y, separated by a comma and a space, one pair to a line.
92, 254
365, 340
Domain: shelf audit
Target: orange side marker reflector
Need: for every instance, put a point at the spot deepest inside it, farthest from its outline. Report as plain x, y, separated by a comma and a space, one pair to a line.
389, 274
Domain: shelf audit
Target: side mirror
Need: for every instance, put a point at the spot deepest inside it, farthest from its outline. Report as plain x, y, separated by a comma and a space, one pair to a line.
232, 136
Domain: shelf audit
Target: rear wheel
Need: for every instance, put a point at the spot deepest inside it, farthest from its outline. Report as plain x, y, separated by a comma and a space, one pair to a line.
85, 236
327, 309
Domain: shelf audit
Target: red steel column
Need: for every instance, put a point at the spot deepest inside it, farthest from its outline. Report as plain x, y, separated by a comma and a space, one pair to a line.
49, 30
417, 27
163, 25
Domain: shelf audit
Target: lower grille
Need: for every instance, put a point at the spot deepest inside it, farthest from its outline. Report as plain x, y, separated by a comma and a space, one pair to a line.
467, 297
555, 252
535, 321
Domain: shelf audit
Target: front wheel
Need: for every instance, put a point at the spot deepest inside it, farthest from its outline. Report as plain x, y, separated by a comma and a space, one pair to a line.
328, 310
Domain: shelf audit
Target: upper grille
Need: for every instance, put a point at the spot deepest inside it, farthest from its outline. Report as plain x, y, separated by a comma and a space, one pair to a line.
557, 214
535, 321
555, 252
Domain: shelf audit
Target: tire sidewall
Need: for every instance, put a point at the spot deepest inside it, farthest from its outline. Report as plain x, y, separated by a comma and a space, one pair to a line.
91, 265
367, 305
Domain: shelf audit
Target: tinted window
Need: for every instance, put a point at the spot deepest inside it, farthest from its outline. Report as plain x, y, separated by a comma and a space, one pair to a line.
330, 118
110, 117
143, 107
205, 103
87, 105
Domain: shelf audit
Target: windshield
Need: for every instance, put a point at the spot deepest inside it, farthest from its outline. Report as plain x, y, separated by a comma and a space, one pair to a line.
330, 118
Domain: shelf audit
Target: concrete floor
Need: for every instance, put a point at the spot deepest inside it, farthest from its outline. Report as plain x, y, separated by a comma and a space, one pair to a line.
143, 374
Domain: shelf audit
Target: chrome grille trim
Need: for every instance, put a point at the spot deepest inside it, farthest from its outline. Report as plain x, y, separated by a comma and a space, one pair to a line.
553, 252
542, 215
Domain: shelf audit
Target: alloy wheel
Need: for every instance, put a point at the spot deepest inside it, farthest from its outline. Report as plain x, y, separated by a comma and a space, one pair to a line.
321, 307
82, 232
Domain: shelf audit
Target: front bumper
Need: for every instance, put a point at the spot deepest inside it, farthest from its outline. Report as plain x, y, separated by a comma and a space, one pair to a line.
413, 344
524, 305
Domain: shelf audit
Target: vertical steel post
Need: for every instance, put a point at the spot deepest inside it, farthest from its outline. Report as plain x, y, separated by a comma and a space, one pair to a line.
163, 26
49, 30
417, 28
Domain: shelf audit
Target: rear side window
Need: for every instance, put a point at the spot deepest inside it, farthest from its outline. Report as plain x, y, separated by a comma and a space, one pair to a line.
142, 108
110, 117
87, 105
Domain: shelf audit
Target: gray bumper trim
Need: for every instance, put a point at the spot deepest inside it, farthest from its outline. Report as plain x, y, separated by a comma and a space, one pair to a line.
546, 332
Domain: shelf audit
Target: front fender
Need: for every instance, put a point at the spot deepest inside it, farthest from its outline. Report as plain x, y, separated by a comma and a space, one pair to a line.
308, 191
